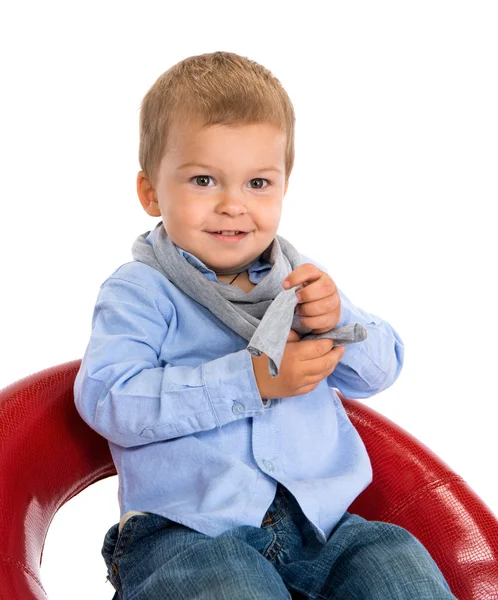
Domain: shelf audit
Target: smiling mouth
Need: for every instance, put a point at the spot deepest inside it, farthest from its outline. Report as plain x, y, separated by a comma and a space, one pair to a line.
231, 231
233, 237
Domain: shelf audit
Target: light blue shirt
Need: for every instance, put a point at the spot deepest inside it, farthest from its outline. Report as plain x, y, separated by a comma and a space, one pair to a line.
173, 390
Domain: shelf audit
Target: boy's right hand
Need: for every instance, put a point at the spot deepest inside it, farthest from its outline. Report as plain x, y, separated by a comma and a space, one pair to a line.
304, 364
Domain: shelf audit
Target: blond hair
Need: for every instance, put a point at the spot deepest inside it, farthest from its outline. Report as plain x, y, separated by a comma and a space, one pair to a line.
216, 88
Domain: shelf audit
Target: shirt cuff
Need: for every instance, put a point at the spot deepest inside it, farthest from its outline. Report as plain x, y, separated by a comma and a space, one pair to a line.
231, 387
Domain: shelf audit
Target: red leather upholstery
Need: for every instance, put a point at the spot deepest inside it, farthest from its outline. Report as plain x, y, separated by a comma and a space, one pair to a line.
48, 455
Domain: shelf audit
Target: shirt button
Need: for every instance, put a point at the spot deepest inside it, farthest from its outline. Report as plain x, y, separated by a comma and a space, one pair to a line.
237, 408
268, 464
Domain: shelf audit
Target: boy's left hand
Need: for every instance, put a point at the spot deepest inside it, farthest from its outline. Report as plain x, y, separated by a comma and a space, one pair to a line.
319, 301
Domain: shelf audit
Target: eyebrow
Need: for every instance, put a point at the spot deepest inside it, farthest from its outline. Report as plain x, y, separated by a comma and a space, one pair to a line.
194, 164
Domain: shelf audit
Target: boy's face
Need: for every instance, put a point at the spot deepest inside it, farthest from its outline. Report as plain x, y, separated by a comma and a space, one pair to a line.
234, 192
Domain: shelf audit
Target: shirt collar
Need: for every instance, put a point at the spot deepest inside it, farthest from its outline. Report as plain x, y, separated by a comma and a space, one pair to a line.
256, 271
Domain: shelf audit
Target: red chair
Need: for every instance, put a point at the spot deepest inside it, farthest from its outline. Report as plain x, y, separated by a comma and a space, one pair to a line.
49, 454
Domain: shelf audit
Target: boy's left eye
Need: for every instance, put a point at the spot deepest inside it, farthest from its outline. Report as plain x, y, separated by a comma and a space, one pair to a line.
209, 177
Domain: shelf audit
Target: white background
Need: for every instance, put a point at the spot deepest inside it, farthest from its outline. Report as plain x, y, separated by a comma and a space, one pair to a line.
394, 188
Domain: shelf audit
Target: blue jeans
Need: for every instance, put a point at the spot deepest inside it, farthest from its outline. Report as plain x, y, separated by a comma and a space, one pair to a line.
154, 558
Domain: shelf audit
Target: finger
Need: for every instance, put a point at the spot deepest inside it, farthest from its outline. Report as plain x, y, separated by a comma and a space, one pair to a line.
318, 369
313, 349
320, 324
305, 272
335, 356
329, 361
316, 290
338, 352
319, 307
332, 357
293, 336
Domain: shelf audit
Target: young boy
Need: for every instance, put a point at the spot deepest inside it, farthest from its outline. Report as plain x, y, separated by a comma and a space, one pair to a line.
236, 467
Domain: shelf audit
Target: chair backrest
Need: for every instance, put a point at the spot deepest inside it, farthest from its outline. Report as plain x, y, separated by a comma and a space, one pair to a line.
48, 455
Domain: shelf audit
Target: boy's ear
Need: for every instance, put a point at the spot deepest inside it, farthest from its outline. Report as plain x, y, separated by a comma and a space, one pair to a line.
147, 195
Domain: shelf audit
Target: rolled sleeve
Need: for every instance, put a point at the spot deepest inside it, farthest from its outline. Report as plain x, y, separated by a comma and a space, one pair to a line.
368, 367
124, 392
231, 387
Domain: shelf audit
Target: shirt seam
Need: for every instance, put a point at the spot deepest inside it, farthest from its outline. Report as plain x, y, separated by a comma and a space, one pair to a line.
130, 280
371, 360
251, 386
173, 423
206, 387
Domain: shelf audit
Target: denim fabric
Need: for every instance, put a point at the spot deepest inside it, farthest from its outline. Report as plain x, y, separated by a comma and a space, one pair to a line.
154, 558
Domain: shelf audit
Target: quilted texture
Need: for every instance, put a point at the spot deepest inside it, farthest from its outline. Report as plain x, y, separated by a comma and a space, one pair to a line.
48, 455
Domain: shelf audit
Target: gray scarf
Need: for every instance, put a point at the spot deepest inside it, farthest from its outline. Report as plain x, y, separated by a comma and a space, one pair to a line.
263, 316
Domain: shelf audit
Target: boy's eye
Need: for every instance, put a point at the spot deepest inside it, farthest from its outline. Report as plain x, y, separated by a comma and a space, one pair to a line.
202, 179
260, 186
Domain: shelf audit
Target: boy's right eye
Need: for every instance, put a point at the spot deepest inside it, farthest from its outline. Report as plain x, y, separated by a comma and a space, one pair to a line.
201, 177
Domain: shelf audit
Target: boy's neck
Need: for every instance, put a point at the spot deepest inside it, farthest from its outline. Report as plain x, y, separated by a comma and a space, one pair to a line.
241, 281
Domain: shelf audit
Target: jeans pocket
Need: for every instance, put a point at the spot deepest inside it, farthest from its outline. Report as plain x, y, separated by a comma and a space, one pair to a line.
125, 535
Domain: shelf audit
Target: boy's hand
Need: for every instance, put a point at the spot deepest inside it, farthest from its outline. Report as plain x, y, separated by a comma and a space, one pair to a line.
293, 336
319, 302
304, 364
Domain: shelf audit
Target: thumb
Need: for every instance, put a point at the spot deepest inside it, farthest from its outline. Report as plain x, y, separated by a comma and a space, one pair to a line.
293, 336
